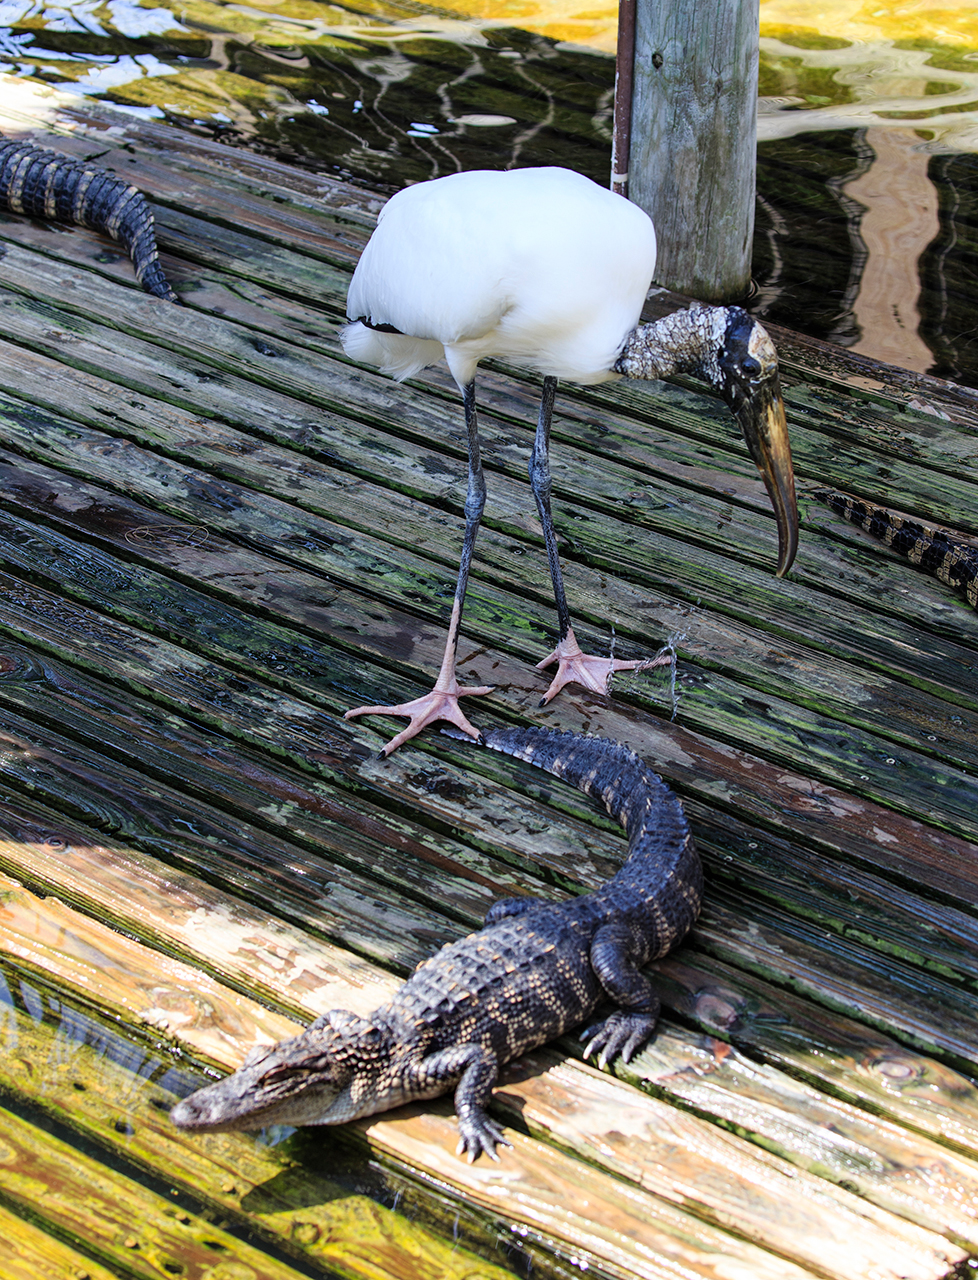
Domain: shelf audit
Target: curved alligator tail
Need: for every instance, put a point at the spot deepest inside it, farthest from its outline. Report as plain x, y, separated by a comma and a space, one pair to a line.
936, 551
630, 791
46, 184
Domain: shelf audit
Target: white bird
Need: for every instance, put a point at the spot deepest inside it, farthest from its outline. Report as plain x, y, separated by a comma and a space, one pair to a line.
543, 268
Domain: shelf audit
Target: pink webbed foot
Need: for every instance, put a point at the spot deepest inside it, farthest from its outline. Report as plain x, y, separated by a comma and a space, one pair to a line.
589, 670
440, 704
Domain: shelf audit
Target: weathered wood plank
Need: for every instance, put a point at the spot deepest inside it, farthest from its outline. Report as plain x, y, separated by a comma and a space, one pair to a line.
127, 1226
704, 1168
719, 1082
275, 717
29, 1253
67, 1075
814, 567
879, 1159
784, 737
62, 773
835, 1053
565, 849
308, 886
934, 1015
896, 646
181, 915
613, 1228
914, 928
736, 1186
83, 127
827, 439
906, 432
250, 635
633, 1233
185, 915
82, 124
268, 712
107, 968
158, 816
891, 958
212, 562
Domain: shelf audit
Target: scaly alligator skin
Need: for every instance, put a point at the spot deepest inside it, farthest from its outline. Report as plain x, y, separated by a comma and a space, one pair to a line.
46, 184
535, 970
934, 550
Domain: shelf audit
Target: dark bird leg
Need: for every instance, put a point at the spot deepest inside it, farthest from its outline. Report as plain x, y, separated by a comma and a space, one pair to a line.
442, 702
573, 666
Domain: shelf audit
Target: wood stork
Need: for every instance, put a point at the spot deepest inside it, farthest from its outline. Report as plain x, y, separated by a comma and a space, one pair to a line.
546, 269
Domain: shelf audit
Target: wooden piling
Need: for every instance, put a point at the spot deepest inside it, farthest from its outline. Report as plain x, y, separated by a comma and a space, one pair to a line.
693, 141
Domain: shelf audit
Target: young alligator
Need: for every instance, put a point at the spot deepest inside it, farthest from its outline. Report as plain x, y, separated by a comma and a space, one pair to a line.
936, 551
46, 184
535, 970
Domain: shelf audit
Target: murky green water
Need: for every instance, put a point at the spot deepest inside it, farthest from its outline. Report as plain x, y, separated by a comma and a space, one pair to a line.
54, 1053
867, 220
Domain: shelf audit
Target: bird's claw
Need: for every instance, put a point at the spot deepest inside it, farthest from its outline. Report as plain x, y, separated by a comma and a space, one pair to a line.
439, 704
590, 670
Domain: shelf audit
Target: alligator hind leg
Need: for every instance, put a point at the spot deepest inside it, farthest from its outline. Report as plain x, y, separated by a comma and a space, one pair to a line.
626, 1030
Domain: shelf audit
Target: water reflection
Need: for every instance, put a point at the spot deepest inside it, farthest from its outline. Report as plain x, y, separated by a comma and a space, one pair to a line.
899, 222
868, 157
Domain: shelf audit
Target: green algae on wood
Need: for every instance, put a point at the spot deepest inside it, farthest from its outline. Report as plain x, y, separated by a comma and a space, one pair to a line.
230, 1176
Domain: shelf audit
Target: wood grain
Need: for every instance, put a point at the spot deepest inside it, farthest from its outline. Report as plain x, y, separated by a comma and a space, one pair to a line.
217, 534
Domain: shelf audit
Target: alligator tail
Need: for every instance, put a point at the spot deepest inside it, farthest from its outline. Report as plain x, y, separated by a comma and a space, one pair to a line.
46, 184
936, 551
607, 771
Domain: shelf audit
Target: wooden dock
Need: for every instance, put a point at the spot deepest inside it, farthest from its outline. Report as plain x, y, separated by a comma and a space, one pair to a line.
217, 535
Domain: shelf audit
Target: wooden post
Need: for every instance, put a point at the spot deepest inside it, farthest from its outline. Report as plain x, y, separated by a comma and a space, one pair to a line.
691, 156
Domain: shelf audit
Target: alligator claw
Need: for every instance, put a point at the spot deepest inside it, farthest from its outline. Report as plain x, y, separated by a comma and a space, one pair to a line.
621, 1034
478, 1134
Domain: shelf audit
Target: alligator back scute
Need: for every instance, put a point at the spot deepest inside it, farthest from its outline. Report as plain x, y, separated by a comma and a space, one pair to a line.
40, 183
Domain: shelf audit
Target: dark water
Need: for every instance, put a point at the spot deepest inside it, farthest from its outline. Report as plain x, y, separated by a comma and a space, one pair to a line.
414, 105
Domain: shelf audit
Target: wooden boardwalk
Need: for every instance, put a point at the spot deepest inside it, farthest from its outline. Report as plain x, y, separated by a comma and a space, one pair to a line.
216, 535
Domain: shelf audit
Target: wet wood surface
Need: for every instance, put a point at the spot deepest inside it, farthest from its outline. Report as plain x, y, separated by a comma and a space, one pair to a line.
216, 535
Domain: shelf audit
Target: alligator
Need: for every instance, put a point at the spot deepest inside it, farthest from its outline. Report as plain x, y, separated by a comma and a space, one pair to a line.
535, 970
937, 551
46, 184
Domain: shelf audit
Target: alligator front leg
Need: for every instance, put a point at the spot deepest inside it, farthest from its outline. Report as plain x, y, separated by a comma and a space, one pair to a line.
626, 1030
476, 1070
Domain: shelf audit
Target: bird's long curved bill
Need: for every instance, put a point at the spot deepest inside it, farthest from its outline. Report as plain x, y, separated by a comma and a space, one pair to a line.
765, 429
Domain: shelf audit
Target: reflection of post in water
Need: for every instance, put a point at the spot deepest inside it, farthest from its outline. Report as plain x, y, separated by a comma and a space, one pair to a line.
899, 221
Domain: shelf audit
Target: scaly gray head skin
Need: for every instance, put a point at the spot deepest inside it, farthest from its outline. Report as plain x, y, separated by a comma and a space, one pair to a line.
309, 1079
733, 353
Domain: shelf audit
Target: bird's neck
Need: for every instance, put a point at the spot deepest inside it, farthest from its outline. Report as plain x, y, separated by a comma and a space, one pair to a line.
683, 342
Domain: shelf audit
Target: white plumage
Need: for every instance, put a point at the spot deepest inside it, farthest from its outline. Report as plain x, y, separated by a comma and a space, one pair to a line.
549, 271
538, 266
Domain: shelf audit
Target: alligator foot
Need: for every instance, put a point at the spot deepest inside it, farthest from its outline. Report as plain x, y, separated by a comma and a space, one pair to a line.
622, 1033
477, 1133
